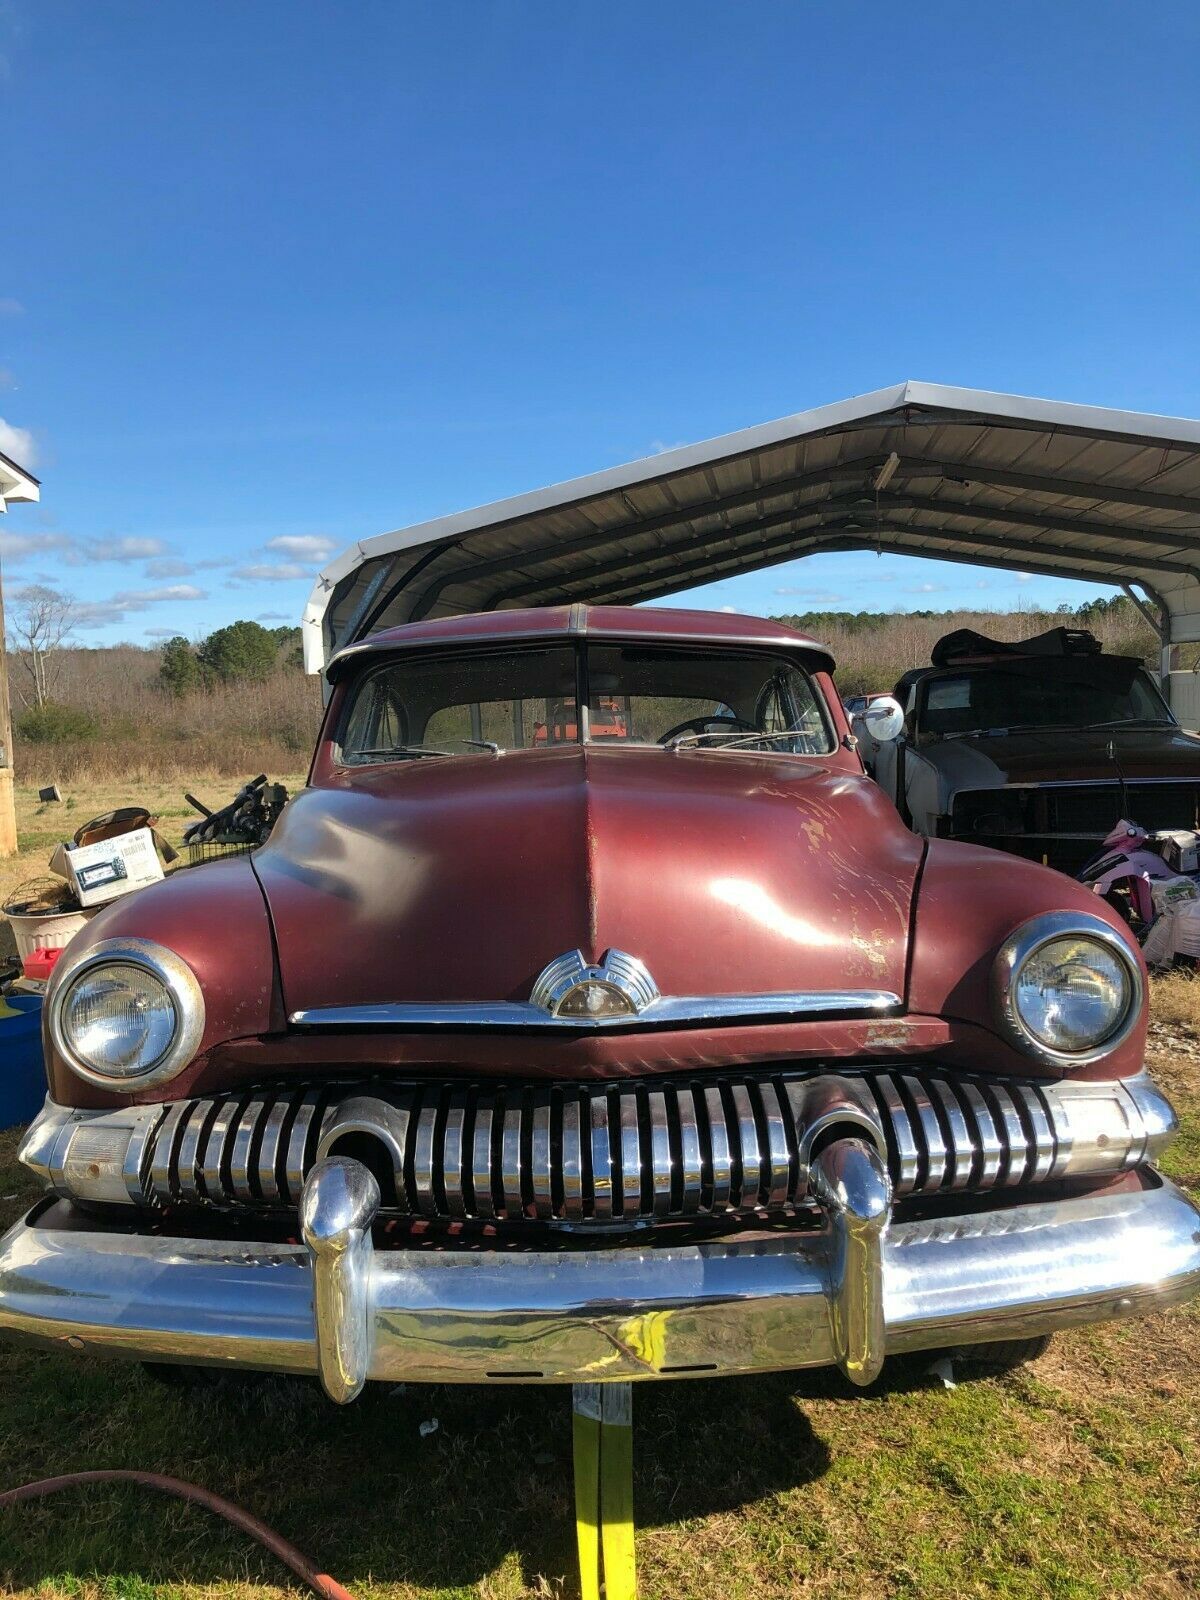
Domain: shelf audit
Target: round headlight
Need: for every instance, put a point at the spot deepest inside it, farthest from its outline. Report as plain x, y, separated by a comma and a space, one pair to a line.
126, 1012
1068, 990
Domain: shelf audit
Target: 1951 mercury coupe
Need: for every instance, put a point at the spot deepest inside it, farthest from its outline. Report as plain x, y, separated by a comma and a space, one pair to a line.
591, 1015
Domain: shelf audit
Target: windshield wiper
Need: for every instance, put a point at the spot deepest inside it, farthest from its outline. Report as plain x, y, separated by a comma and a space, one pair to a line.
728, 739
1133, 722
1015, 727
399, 752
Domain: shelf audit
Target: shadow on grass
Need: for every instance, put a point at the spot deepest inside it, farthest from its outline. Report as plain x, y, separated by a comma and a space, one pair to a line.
360, 1490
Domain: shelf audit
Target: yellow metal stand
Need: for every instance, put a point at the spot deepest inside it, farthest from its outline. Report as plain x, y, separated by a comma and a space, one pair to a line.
602, 1424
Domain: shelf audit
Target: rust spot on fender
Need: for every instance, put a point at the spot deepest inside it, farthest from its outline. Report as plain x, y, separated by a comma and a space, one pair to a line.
890, 1036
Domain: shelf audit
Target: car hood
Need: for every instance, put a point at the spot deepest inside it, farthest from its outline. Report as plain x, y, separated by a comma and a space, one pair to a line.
461, 879
1065, 755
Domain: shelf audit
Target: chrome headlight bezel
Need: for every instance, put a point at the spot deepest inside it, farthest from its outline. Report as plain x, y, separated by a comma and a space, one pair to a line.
176, 977
1022, 945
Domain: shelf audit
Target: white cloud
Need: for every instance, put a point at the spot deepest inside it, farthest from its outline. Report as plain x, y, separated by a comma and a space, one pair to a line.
983, 583
19, 546
17, 444
10, 307
1024, 577
925, 588
125, 548
159, 633
274, 616
8, 378
304, 546
102, 613
135, 598
169, 567
795, 590
659, 448
284, 572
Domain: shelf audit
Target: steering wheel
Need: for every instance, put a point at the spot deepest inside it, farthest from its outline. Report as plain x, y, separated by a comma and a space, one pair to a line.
709, 725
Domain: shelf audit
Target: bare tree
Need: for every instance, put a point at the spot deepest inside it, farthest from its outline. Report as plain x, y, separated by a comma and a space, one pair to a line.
39, 624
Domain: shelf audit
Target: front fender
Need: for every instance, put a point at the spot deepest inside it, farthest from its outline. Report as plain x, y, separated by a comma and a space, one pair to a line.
214, 917
970, 899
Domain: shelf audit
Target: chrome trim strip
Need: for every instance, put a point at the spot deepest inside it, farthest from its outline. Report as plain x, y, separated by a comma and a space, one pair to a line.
481, 1156
722, 1159
475, 1317
631, 1155
751, 1156
452, 1155
902, 1132
660, 1152
602, 1162
268, 1153
931, 1134
572, 1161
691, 1161
541, 1170
666, 1012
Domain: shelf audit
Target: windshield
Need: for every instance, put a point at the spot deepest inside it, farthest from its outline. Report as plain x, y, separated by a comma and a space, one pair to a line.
1098, 692
528, 698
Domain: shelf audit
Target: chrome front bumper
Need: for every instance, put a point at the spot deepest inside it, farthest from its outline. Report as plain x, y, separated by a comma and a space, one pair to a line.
845, 1293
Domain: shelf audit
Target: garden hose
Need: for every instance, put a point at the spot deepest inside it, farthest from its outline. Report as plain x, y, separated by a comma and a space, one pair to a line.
320, 1583
602, 1424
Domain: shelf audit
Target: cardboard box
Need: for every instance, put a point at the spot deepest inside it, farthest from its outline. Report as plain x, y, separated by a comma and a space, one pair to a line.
105, 871
1179, 848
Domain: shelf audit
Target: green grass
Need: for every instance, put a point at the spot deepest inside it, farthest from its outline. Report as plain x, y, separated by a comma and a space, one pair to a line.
1076, 1478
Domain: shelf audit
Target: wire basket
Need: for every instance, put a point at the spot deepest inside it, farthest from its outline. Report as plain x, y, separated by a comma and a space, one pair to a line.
198, 854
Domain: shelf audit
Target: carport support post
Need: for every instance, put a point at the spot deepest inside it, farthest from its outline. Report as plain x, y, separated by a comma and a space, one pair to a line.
8, 812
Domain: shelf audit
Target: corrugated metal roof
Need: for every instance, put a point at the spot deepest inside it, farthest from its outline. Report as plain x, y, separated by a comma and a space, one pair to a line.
921, 469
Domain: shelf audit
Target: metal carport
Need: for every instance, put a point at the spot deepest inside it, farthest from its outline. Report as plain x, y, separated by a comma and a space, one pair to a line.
920, 469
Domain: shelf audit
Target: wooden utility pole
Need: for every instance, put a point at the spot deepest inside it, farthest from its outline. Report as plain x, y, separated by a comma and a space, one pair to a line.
15, 484
8, 809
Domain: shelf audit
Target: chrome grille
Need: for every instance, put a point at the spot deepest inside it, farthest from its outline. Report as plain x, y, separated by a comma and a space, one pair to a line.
579, 1152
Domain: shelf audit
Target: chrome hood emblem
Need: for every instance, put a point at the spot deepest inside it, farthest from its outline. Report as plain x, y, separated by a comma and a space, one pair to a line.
620, 986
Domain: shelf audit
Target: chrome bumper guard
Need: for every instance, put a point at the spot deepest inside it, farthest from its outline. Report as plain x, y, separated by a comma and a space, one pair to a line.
846, 1293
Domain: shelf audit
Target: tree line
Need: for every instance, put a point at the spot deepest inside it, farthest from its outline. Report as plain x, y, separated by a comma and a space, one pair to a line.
242, 652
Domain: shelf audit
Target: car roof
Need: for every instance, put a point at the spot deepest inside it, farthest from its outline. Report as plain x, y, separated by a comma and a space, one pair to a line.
652, 624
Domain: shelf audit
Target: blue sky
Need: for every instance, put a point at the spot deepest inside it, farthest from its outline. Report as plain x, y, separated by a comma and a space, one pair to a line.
276, 276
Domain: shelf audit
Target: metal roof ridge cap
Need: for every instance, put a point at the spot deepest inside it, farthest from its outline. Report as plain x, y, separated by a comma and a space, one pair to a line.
1038, 409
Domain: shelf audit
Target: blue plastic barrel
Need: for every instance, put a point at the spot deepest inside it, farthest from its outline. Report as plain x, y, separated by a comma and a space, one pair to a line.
22, 1075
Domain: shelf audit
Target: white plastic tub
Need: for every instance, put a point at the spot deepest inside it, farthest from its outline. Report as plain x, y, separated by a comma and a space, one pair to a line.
46, 930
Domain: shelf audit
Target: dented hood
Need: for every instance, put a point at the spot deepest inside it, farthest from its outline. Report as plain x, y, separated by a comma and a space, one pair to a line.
460, 879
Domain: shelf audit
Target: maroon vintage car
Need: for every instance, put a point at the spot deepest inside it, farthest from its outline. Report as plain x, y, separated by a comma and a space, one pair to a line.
535, 1048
